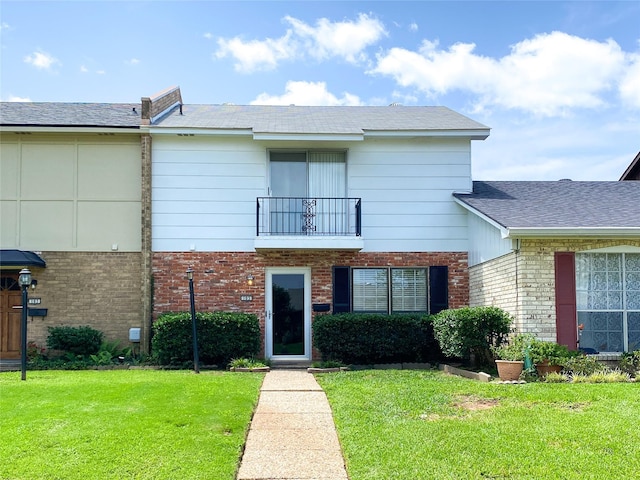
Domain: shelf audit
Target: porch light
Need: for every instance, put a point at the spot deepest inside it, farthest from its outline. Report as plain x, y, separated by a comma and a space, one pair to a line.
24, 279
249, 279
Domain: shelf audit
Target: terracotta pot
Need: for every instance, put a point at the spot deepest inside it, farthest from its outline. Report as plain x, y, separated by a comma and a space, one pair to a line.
544, 368
509, 370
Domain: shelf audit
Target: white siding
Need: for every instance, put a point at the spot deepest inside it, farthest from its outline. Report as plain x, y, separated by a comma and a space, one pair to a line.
204, 191
406, 188
485, 241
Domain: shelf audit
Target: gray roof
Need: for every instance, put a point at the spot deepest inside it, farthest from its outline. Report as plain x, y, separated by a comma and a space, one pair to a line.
53, 114
318, 120
559, 204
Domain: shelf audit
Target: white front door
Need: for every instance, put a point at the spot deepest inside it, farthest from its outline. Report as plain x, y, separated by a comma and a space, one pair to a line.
288, 313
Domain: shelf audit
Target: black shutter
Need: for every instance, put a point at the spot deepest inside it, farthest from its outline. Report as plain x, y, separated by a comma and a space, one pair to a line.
438, 289
341, 289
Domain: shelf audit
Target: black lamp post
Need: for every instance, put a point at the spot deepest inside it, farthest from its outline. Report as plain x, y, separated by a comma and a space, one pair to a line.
24, 280
192, 302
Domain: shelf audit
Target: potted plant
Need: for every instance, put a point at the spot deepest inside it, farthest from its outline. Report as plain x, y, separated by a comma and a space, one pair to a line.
510, 357
548, 356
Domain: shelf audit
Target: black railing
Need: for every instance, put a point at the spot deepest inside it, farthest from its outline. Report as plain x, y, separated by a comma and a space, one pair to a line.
308, 216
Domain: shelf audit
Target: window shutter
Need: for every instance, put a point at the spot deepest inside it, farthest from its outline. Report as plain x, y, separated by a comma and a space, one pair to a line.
566, 324
438, 289
341, 290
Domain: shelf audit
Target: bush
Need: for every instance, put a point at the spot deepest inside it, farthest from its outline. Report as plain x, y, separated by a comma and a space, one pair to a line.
472, 332
364, 338
76, 340
222, 336
583, 365
630, 362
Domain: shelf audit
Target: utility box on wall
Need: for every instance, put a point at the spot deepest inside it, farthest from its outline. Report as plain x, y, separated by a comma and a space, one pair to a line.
134, 335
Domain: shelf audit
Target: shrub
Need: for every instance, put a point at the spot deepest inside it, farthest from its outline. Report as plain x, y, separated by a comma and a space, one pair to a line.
76, 340
472, 332
516, 349
583, 365
222, 336
366, 338
551, 352
630, 362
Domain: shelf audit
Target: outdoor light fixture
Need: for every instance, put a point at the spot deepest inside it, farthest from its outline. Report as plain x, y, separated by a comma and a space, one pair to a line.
24, 279
249, 279
192, 303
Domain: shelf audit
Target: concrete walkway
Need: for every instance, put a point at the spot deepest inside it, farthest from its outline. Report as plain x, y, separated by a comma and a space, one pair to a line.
292, 434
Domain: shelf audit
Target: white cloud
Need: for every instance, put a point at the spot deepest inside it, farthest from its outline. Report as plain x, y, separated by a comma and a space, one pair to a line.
208, 35
256, 55
413, 27
546, 75
306, 93
83, 69
347, 40
630, 83
41, 60
555, 148
13, 98
101, 72
5, 26
132, 61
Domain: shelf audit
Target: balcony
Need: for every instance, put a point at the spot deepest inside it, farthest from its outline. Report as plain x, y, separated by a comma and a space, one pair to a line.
308, 223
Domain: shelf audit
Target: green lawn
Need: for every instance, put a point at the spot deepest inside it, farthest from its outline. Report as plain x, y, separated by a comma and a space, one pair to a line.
124, 424
426, 425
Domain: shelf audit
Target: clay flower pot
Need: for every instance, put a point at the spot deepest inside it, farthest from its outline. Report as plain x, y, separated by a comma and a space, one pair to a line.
509, 370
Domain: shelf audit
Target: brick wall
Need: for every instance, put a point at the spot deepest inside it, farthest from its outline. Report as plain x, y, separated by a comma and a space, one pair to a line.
97, 289
494, 283
221, 278
523, 283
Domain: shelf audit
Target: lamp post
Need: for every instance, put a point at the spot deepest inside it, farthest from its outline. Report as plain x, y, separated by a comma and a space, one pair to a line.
24, 279
192, 302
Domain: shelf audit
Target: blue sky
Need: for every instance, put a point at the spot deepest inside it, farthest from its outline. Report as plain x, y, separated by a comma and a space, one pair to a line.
558, 82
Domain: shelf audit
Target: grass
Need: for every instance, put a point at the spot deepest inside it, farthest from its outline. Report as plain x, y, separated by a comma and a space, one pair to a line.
133, 424
428, 425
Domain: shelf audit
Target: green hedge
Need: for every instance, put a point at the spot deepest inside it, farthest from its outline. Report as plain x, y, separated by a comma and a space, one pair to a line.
360, 338
76, 340
472, 332
222, 336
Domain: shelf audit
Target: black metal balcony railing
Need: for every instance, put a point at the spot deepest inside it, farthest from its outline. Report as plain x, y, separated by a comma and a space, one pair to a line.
308, 216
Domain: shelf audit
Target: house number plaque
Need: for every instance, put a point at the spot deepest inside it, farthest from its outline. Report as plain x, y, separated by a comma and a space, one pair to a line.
246, 298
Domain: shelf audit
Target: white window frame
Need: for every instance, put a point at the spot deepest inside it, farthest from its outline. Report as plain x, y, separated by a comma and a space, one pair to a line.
387, 290
582, 294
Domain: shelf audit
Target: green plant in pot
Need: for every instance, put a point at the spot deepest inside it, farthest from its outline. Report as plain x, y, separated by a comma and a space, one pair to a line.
510, 357
548, 356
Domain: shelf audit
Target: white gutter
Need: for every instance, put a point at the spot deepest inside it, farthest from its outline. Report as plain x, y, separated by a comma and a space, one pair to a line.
553, 232
187, 132
479, 134
63, 129
310, 137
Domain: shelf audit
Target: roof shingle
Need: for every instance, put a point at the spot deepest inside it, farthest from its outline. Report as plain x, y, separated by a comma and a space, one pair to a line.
560, 204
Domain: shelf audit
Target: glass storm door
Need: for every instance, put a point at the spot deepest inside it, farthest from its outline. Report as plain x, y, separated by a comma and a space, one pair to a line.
288, 314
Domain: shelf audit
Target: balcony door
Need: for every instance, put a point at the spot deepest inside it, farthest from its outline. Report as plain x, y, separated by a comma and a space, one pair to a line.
308, 191
288, 313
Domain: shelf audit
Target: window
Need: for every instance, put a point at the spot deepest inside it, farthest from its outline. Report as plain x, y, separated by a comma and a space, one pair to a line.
308, 191
608, 300
373, 287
